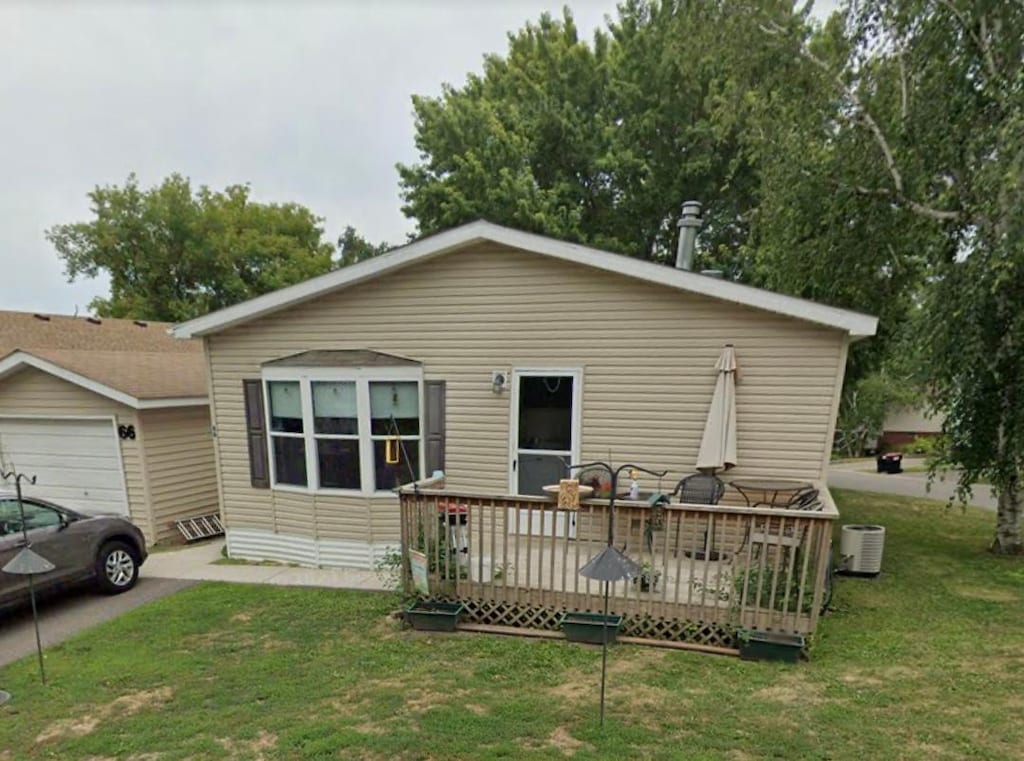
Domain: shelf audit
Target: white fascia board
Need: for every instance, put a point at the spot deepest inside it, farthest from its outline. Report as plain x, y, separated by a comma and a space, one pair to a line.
19, 360
173, 401
856, 324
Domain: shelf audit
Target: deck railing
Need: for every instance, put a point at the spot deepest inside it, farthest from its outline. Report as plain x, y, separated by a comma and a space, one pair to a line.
515, 561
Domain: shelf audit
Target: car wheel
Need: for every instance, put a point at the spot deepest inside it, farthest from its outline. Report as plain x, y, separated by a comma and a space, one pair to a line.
117, 567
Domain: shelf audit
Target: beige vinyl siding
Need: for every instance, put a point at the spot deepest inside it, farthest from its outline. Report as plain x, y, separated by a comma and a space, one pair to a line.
646, 353
179, 460
32, 392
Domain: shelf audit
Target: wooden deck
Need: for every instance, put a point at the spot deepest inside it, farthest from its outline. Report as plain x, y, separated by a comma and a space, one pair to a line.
514, 561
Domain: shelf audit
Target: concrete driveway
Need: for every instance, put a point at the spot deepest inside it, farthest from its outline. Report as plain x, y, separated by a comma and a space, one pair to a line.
852, 475
66, 614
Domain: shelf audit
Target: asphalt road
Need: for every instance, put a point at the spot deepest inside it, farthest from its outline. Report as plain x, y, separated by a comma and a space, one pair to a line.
66, 614
852, 476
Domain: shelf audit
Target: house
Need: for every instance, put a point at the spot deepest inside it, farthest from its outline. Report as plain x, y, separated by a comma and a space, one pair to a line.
493, 354
904, 425
109, 415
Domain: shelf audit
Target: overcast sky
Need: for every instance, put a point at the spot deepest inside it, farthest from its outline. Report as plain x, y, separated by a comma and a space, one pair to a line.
307, 102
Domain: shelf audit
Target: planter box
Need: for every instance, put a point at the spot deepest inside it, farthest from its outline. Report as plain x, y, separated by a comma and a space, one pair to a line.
590, 627
433, 616
755, 645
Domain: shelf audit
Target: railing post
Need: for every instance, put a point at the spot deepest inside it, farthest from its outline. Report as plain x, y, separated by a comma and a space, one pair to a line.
821, 572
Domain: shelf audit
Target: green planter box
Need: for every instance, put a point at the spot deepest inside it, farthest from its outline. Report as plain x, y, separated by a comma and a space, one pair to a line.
425, 615
756, 645
590, 627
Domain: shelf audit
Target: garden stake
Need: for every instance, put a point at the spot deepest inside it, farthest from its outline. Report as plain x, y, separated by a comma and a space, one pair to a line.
610, 564
28, 563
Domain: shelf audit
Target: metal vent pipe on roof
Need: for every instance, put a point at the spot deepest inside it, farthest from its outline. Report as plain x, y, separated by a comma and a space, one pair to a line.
689, 223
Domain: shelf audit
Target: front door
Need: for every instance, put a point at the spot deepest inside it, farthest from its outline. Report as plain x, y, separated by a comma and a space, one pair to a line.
545, 430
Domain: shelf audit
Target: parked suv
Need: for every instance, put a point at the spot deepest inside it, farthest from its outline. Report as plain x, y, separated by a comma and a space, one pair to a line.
106, 549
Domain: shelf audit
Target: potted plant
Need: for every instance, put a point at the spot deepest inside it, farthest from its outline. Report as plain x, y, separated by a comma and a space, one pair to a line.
433, 616
648, 578
593, 628
597, 479
760, 645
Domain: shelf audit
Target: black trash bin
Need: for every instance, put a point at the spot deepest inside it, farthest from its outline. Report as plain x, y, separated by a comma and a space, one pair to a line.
890, 462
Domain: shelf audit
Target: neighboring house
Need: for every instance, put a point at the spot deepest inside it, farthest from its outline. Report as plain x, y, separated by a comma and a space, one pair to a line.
109, 416
905, 424
495, 353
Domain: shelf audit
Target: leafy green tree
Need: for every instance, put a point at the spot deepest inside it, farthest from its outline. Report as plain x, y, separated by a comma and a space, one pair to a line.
173, 253
599, 143
865, 404
919, 156
521, 144
353, 247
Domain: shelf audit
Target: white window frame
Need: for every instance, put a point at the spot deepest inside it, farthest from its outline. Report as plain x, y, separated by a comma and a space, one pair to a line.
362, 378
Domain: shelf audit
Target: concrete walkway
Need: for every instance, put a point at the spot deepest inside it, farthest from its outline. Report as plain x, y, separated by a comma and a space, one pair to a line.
852, 475
199, 562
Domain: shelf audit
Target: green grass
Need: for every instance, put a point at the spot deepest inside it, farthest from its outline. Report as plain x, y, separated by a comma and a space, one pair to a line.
925, 662
943, 475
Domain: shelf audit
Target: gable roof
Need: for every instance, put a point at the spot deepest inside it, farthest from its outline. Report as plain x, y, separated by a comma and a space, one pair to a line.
342, 358
855, 324
136, 363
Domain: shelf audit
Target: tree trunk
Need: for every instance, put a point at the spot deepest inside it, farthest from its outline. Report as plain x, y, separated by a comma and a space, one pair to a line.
1009, 510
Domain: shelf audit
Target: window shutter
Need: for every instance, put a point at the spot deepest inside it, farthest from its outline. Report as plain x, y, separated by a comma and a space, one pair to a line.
256, 432
434, 425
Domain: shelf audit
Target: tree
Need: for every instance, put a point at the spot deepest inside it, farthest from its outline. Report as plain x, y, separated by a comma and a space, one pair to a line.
521, 144
922, 147
599, 143
353, 247
173, 253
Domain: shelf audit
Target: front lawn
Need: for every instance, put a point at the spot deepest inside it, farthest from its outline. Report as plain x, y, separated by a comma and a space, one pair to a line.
925, 662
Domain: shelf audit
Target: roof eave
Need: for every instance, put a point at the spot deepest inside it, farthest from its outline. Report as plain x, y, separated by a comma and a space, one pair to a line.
19, 360
420, 250
855, 324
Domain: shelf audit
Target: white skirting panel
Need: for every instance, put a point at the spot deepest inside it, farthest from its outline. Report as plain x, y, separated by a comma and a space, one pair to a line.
257, 544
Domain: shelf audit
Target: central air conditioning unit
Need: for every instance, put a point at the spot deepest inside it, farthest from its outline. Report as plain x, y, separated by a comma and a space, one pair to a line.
860, 547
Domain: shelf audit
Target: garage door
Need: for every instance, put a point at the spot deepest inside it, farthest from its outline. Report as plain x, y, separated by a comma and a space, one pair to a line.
76, 463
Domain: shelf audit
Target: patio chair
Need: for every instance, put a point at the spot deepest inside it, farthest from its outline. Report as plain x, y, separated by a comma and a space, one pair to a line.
808, 499
700, 489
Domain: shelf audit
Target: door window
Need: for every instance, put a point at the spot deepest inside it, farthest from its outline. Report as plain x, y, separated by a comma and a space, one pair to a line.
545, 413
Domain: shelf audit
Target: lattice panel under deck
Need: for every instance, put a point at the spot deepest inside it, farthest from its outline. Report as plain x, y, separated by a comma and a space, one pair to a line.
537, 617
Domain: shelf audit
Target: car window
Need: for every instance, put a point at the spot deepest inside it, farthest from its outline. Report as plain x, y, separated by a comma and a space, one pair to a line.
10, 521
36, 516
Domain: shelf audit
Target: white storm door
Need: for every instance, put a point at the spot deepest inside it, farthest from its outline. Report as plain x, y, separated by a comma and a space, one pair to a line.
544, 438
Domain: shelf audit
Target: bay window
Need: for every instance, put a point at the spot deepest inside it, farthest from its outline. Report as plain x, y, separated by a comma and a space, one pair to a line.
330, 430
287, 438
394, 411
336, 430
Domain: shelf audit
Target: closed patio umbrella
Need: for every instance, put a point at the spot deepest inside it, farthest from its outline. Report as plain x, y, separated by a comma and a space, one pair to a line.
718, 445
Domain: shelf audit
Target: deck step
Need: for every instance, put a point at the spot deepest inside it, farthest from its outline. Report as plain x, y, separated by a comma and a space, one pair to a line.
200, 527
